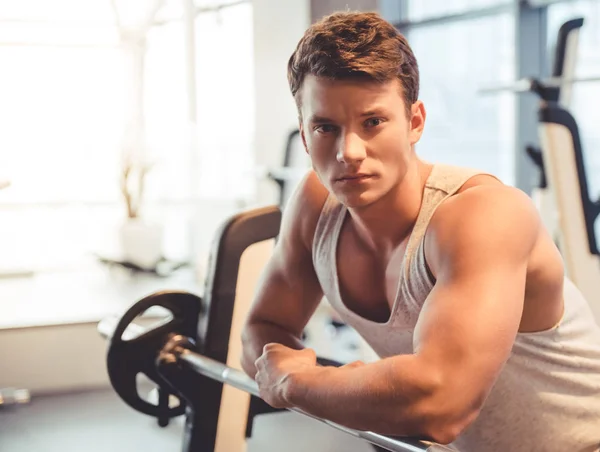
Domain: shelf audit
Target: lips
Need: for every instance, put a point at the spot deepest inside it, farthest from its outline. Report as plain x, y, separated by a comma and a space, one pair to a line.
354, 177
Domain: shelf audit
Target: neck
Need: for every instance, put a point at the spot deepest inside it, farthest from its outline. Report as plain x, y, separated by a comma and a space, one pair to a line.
384, 225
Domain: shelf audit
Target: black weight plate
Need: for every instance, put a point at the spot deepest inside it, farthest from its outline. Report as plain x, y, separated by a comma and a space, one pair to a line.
127, 358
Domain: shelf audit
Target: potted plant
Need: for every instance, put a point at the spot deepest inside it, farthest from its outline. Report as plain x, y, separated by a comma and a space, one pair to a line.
140, 239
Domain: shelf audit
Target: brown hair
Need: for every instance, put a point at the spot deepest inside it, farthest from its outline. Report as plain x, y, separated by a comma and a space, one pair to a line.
348, 45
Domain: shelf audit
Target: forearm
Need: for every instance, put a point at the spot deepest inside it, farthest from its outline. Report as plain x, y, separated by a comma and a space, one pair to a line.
390, 396
257, 335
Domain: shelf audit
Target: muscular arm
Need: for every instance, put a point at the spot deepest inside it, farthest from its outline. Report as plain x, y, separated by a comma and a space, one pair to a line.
478, 245
289, 291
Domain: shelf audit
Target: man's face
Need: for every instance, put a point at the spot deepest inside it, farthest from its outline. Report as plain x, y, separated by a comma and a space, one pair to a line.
358, 136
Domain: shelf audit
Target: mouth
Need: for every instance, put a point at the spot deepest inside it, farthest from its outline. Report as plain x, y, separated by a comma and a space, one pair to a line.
354, 177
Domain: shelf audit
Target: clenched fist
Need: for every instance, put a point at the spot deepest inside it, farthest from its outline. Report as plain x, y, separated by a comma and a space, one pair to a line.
276, 368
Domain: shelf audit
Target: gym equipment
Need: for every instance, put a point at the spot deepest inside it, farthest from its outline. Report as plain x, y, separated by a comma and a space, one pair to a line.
282, 176
557, 88
163, 268
529, 84
565, 170
567, 203
185, 354
293, 170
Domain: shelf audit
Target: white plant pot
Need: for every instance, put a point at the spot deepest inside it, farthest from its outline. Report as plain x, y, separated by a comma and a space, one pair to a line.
141, 242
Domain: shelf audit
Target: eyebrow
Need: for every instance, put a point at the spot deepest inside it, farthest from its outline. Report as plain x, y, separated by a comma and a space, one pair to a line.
373, 112
317, 119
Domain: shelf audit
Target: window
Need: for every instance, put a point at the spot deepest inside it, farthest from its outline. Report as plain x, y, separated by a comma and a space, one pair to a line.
425, 9
223, 137
465, 127
62, 93
64, 90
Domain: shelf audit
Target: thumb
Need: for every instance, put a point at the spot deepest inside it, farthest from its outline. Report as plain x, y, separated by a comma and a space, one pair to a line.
310, 353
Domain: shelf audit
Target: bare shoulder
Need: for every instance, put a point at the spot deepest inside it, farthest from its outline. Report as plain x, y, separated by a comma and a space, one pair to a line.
479, 180
488, 197
489, 218
304, 208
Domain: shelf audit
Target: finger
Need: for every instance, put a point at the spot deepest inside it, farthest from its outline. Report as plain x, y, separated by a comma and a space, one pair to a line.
258, 377
310, 353
259, 363
271, 346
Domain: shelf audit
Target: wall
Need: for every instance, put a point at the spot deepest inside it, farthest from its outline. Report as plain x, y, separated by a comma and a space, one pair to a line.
49, 359
278, 26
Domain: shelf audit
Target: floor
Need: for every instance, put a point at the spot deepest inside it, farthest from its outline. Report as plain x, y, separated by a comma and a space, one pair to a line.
100, 422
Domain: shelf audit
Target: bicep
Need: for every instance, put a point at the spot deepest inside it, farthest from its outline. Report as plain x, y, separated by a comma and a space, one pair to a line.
289, 291
468, 325
469, 321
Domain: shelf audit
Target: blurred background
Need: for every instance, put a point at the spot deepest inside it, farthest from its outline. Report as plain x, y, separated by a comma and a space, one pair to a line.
131, 129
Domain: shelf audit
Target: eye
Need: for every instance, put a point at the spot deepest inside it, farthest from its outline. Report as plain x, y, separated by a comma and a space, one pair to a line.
373, 122
325, 128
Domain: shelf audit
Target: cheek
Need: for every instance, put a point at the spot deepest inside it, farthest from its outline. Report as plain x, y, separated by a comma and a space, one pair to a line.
320, 149
393, 148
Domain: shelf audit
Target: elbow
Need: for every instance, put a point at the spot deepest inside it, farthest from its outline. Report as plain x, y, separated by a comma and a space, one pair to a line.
445, 431
441, 408
445, 413
444, 437
444, 425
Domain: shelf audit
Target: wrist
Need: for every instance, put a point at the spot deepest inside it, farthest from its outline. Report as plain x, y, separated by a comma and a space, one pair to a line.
298, 384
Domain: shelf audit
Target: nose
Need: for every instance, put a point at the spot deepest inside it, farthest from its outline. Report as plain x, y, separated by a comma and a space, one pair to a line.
351, 149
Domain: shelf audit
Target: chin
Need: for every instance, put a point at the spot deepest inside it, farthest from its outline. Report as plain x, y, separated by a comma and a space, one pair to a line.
356, 200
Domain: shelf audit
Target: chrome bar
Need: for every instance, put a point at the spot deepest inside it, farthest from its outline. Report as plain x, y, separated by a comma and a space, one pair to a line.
526, 84
220, 372
238, 379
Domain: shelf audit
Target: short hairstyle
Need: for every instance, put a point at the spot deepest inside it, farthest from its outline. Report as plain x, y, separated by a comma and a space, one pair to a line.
347, 45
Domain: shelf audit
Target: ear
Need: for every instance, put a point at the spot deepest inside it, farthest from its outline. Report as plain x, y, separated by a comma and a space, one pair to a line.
417, 121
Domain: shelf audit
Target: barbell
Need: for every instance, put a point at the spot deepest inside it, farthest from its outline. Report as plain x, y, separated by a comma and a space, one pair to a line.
167, 354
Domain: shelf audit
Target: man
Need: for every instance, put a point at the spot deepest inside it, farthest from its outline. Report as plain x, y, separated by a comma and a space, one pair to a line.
446, 272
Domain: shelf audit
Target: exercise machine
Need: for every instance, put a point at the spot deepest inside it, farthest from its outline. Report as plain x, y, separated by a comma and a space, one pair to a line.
194, 354
290, 173
565, 170
563, 199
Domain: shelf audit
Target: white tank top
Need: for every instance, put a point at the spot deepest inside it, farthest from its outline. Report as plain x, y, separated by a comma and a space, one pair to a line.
547, 396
